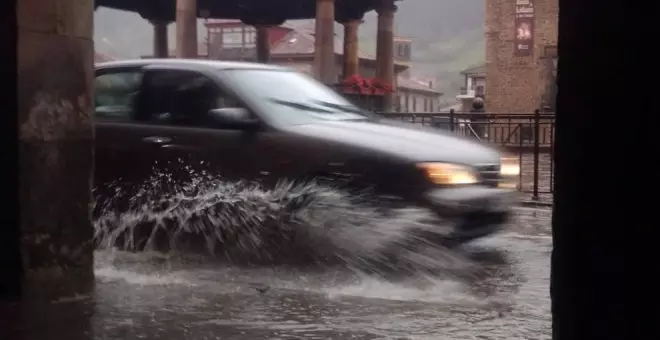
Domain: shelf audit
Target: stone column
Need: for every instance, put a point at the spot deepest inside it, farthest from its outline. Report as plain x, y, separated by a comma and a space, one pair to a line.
351, 57
161, 49
385, 47
186, 29
324, 45
263, 44
55, 73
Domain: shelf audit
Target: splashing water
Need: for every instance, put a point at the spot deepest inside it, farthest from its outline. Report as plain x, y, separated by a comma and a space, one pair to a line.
244, 222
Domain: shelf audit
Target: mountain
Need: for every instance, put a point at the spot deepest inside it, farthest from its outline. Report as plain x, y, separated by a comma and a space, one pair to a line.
447, 36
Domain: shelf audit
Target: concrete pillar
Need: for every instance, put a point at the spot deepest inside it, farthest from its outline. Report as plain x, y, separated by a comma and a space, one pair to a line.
161, 49
324, 45
186, 29
55, 73
385, 47
263, 44
351, 57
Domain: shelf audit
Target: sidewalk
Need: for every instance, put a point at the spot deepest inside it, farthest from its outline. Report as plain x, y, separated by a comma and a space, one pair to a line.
543, 201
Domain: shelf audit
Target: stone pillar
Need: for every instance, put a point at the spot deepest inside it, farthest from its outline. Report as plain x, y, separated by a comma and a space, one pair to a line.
161, 49
55, 73
351, 57
186, 29
324, 45
385, 48
263, 44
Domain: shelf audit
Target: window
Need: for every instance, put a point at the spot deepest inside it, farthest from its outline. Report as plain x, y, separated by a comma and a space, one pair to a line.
426, 105
414, 102
250, 36
114, 94
292, 98
232, 38
235, 37
182, 98
403, 50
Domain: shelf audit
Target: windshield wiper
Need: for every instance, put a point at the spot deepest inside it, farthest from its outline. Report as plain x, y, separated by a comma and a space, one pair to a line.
341, 107
300, 106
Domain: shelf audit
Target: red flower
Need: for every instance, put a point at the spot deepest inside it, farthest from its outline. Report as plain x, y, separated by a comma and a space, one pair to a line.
356, 84
381, 87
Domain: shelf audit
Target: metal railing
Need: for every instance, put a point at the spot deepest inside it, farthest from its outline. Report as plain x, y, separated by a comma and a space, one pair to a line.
529, 135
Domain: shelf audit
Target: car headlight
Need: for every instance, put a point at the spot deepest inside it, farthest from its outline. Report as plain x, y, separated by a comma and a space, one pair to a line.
448, 174
509, 166
509, 173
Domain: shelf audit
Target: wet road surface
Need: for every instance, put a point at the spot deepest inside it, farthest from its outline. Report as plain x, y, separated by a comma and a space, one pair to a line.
146, 296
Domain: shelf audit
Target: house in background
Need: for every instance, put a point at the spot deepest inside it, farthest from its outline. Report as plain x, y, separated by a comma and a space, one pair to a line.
293, 46
416, 94
475, 85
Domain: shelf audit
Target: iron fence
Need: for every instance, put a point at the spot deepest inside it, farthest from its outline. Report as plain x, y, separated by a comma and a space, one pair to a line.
529, 135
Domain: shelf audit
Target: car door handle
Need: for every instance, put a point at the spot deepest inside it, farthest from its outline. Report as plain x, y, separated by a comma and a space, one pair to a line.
156, 140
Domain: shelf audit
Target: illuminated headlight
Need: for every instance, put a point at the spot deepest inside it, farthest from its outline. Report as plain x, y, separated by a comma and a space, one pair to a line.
448, 174
509, 172
509, 166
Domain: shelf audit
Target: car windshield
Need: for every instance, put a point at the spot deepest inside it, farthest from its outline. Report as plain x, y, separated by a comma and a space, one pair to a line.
294, 98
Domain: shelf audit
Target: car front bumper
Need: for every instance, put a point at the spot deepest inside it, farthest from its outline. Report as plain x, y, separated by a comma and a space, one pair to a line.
477, 211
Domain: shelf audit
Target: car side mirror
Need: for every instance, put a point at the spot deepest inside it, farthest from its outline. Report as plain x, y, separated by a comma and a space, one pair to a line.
234, 117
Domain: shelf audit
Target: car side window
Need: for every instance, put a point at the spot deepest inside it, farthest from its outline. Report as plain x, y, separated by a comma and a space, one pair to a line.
181, 98
114, 94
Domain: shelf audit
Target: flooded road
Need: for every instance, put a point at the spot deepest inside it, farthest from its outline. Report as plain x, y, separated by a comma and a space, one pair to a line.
150, 296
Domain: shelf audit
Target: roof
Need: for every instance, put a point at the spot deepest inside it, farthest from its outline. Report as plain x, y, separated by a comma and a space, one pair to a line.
475, 70
217, 64
414, 85
300, 40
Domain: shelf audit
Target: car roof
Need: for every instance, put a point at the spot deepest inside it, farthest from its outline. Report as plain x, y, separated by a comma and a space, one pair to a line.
193, 63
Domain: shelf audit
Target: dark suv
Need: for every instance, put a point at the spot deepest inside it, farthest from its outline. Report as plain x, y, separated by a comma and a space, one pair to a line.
266, 123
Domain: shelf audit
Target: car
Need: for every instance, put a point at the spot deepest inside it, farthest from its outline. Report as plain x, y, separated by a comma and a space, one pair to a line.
257, 122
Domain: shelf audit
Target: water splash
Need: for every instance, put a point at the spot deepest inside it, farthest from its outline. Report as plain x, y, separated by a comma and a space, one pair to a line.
245, 222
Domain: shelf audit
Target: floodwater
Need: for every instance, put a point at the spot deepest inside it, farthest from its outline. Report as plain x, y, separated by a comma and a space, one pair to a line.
495, 288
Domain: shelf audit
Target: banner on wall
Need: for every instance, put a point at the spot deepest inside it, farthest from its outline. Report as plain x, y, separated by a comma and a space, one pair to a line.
524, 28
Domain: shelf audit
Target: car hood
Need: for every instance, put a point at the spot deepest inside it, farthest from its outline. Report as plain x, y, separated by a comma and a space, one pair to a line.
405, 140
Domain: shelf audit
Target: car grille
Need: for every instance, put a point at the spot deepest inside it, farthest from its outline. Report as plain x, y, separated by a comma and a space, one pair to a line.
489, 174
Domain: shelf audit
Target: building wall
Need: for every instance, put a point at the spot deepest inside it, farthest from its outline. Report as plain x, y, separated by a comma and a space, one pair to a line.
472, 83
517, 84
410, 101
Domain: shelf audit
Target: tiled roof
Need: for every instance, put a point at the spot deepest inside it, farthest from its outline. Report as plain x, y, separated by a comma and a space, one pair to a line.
415, 85
301, 41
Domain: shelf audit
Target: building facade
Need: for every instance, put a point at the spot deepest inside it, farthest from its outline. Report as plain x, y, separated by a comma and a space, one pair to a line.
521, 46
474, 86
293, 46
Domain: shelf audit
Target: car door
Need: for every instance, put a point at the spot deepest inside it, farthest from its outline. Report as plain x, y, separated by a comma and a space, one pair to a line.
187, 145
122, 162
